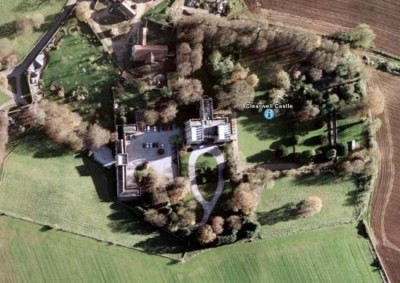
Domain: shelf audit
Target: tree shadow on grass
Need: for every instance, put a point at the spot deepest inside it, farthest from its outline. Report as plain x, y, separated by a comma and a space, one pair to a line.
36, 143
287, 141
347, 126
355, 197
162, 243
313, 141
284, 213
264, 156
255, 123
317, 180
122, 220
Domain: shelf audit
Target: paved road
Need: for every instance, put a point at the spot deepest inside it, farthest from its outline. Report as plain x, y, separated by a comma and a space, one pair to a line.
40, 45
208, 206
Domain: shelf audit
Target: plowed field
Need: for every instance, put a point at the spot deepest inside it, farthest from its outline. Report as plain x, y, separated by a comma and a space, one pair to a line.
382, 15
385, 213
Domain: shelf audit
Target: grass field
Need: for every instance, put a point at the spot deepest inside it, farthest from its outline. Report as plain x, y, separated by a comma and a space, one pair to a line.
13, 9
51, 186
4, 98
332, 255
277, 209
352, 129
258, 137
158, 13
80, 62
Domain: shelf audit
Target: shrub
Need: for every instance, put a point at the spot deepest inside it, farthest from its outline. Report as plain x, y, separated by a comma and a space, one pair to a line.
312, 205
297, 139
250, 229
97, 136
245, 199
217, 224
206, 235
155, 218
307, 156
282, 151
227, 239
234, 222
331, 154
342, 149
323, 139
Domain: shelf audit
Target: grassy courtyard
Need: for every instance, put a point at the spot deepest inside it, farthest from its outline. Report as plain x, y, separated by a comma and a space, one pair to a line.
51, 186
258, 137
277, 209
18, 8
207, 163
84, 71
29, 253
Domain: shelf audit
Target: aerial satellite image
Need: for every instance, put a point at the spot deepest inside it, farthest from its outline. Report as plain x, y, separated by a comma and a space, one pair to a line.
199, 141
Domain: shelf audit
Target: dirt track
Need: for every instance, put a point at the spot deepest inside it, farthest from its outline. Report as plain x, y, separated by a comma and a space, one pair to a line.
385, 212
331, 15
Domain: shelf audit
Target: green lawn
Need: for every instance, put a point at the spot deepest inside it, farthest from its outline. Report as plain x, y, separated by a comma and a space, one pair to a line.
184, 163
80, 62
207, 161
4, 98
158, 13
276, 211
236, 7
258, 137
52, 186
31, 254
13, 9
352, 129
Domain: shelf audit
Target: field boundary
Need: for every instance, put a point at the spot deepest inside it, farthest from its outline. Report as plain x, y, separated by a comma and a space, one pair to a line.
372, 243
27, 219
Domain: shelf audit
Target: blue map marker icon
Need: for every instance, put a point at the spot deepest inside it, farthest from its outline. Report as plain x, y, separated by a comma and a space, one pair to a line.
269, 114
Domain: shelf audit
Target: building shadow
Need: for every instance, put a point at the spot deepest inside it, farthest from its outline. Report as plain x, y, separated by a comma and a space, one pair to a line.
103, 179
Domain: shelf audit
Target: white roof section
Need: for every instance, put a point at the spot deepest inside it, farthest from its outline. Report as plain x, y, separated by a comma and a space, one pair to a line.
194, 134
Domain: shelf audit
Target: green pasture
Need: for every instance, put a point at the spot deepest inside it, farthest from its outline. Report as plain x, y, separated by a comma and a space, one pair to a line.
29, 253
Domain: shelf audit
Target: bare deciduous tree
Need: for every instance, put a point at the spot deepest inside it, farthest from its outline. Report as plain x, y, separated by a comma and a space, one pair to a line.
245, 199
206, 235
151, 117
187, 91
179, 189
168, 112
155, 218
217, 224
97, 136
234, 222
83, 11
312, 205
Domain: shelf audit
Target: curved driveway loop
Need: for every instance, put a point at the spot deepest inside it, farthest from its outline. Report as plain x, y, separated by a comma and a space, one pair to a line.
207, 205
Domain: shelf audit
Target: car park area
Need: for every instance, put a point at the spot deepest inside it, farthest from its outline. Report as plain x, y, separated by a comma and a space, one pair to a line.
153, 146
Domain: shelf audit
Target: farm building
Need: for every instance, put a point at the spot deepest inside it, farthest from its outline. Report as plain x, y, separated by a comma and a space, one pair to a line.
149, 54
